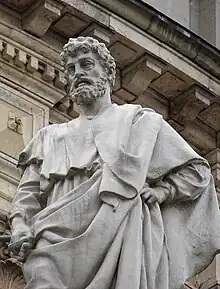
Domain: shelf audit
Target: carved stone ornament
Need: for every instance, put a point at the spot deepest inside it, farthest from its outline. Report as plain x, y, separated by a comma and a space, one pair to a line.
10, 270
11, 277
14, 123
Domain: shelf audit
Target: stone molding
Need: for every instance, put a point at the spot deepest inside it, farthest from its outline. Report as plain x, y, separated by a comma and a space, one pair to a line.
166, 30
45, 79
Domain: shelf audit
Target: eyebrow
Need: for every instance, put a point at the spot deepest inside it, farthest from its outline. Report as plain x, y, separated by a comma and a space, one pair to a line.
80, 60
86, 58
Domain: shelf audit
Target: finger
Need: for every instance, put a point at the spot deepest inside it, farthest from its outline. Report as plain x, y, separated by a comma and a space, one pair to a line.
152, 200
25, 250
146, 196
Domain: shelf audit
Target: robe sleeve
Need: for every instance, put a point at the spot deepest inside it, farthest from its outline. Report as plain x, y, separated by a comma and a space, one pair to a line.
187, 183
26, 202
33, 152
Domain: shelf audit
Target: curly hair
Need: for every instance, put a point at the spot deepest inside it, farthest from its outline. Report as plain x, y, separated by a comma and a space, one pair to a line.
89, 44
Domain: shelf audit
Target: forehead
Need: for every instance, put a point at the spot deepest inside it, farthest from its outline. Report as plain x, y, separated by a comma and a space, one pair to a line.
82, 55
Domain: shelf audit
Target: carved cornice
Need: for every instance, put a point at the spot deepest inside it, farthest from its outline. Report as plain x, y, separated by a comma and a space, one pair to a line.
31, 71
166, 30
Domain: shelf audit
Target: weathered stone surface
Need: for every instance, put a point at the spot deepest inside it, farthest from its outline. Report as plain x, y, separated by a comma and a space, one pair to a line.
11, 277
122, 53
211, 116
32, 65
34, 70
8, 52
152, 99
21, 58
98, 32
60, 80
137, 77
186, 106
168, 85
49, 73
214, 159
200, 136
40, 17
20, 4
125, 95
209, 278
70, 24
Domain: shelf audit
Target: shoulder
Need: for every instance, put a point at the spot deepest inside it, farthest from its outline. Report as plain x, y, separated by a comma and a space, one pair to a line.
58, 130
137, 112
146, 113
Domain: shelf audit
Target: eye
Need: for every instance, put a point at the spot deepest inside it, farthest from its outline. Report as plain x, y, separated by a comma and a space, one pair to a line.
71, 70
87, 64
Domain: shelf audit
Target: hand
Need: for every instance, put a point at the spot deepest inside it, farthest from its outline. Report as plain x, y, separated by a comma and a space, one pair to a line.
157, 194
21, 242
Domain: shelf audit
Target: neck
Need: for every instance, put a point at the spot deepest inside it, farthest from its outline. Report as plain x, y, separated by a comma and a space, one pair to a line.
96, 106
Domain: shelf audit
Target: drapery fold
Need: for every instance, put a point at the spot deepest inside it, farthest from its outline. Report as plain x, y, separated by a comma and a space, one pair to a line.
123, 243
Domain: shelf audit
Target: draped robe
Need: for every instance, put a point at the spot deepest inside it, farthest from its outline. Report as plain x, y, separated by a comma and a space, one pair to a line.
81, 195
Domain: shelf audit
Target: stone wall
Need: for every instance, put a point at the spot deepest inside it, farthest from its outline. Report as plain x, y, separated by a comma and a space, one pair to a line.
200, 16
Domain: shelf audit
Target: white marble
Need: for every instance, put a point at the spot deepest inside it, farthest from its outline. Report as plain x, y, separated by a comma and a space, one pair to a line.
112, 199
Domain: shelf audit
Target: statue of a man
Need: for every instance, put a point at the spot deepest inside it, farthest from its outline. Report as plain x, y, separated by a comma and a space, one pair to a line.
113, 199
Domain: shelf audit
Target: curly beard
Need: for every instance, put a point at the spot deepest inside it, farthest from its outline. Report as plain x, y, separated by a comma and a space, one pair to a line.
87, 94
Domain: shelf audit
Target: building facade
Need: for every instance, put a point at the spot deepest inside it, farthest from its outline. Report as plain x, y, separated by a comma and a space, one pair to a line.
167, 59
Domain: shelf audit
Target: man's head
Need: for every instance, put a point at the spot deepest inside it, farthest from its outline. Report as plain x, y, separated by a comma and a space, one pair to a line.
89, 69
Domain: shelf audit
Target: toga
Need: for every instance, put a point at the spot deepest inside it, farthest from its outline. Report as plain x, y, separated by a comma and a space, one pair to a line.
81, 194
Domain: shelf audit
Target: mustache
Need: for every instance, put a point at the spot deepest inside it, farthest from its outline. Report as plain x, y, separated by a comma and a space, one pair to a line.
76, 83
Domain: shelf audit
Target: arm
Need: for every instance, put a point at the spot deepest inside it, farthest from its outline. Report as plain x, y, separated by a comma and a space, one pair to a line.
24, 206
183, 184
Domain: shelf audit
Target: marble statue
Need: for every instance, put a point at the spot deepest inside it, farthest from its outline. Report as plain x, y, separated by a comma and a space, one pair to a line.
113, 199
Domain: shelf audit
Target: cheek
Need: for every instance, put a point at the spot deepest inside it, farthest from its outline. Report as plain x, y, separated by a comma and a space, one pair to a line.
95, 73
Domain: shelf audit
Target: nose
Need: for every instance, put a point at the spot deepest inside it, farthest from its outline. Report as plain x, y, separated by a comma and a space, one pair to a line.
79, 72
